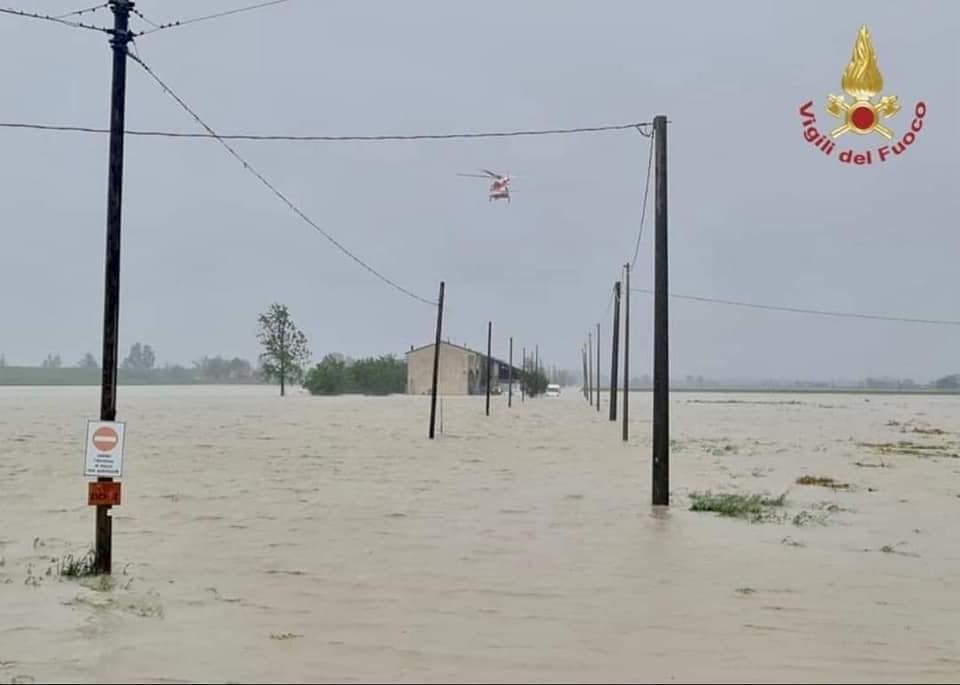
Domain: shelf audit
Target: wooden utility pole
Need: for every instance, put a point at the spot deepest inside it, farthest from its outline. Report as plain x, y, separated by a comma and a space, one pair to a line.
615, 351
510, 376
436, 364
661, 324
103, 554
626, 356
590, 365
489, 361
598, 368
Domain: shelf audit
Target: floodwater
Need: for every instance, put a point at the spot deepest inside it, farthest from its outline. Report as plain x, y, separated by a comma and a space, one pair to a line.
326, 539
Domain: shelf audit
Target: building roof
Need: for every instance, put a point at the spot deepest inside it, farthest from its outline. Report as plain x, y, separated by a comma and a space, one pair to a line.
461, 347
446, 342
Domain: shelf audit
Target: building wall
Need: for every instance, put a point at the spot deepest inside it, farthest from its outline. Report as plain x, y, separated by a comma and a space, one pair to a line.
453, 374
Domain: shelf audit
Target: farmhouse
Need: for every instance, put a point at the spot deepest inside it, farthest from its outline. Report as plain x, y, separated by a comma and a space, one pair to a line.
462, 371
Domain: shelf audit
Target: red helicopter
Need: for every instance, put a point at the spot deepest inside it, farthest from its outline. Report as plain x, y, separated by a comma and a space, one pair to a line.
499, 188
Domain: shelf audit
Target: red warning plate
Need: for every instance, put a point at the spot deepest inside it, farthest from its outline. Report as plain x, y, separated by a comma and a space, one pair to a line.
103, 494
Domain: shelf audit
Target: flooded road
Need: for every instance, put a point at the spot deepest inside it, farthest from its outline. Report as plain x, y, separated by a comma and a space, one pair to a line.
326, 539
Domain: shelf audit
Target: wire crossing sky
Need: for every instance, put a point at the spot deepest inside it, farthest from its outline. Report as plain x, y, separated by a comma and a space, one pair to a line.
273, 188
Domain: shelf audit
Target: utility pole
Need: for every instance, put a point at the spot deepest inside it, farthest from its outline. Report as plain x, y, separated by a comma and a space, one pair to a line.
590, 365
661, 324
436, 363
103, 557
489, 361
510, 376
583, 362
598, 368
615, 351
626, 356
523, 377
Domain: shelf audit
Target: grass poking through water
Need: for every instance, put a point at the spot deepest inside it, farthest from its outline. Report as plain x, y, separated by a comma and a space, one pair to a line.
73, 567
752, 507
823, 482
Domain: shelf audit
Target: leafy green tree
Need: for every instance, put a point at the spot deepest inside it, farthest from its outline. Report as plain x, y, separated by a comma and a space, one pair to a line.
381, 376
534, 382
88, 362
285, 351
52, 361
330, 377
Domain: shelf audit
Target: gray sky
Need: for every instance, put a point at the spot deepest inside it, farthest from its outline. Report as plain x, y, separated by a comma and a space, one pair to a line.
756, 213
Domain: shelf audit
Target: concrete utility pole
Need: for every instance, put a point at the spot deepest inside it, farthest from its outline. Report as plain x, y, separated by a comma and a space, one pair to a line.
615, 351
626, 356
103, 554
436, 364
661, 324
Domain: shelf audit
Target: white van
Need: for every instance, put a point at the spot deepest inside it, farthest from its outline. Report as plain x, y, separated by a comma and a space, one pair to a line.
553, 390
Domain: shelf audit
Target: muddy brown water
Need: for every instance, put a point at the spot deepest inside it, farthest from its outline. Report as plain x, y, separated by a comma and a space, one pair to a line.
326, 539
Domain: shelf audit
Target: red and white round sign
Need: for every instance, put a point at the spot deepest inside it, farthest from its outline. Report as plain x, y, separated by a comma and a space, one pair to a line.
105, 439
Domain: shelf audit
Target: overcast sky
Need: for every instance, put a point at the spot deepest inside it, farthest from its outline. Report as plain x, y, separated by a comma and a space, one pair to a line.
756, 213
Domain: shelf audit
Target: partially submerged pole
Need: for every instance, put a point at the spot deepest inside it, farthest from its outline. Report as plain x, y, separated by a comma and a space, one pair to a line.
598, 368
121, 36
510, 376
523, 376
626, 356
615, 351
661, 324
436, 364
590, 367
489, 361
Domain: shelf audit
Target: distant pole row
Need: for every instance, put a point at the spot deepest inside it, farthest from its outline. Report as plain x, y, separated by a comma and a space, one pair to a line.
661, 365
534, 362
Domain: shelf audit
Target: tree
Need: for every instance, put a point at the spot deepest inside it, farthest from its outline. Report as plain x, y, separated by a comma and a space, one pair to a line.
88, 362
239, 370
534, 382
3, 361
140, 358
330, 377
951, 382
220, 370
177, 374
285, 351
382, 376
52, 361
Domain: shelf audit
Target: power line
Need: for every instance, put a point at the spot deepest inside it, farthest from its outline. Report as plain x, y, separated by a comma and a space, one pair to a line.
271, 187
142, 16
646, 191
58, 20
83, 11
184, 22
798, 310
323, 138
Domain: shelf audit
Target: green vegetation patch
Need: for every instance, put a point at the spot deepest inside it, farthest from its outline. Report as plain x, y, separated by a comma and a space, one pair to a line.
823, 482
736, 505
911, 448
76, 567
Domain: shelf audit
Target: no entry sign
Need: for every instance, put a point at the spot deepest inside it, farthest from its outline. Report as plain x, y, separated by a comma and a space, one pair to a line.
104, 450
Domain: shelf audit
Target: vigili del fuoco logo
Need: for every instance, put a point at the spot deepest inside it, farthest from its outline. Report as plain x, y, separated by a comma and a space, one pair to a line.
864, 114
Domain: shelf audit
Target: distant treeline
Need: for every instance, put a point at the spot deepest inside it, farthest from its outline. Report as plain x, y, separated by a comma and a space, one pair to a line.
137, 369
337, 375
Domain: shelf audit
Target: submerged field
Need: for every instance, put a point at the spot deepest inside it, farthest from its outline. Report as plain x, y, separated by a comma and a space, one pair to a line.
326, 539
